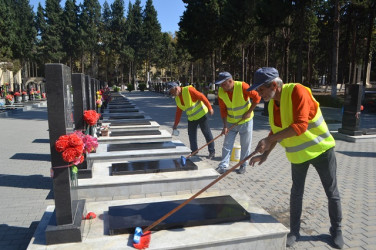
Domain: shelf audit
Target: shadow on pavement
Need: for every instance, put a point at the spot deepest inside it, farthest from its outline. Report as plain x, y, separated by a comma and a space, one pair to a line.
31, 157
26, 181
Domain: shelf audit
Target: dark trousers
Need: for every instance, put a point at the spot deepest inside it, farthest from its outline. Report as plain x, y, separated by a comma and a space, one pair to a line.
326, 167
192, 133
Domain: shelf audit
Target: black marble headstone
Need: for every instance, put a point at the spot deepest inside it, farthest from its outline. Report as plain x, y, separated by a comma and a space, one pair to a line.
88, 91
134, 133
200, 211
93, 94
65, 226
353, 98
79, 100
139, 146
144, 167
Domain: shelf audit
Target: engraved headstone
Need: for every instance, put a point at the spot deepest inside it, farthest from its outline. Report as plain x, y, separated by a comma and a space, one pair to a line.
79, 100
350, 120
88, 91
65, 225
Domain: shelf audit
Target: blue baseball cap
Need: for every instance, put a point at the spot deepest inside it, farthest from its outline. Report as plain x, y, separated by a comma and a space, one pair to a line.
262, 76
223, 76
171, 85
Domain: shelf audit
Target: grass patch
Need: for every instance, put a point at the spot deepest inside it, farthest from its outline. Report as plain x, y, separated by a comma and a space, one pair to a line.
329, 101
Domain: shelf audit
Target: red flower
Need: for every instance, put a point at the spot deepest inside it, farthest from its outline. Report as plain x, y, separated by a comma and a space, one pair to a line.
62, 143
71, 154
16, 93
24, 93
75, 141
91, 117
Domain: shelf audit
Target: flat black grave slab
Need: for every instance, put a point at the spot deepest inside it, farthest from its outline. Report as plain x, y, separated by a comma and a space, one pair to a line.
200, 211
130, 123
145, 167
117, 117
140, 146
133, 133
123, 110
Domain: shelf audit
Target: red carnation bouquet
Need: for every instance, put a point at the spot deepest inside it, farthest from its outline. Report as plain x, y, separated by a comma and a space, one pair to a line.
16, 93
91, 117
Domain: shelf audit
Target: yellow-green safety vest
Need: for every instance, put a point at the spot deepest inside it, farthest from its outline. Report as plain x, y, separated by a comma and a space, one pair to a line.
238, 106
194, 110
310, 144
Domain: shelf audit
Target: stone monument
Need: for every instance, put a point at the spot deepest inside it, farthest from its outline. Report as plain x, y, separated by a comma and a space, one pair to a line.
351, 106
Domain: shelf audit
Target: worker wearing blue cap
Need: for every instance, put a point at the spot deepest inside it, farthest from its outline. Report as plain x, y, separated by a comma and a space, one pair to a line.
297, 124
196, 106
237, 114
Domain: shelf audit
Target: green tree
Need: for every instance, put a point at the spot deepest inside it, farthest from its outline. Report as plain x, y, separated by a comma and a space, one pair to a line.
51, 36
70, 31
7, 35
151, 38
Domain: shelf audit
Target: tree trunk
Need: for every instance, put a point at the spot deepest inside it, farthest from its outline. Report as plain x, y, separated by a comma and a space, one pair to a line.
335, 49
369, 38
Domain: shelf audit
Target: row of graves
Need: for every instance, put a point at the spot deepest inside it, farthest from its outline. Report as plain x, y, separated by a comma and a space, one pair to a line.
136, 176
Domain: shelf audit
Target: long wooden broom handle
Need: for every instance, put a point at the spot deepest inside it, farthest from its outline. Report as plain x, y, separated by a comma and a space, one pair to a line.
198, 193
193, 153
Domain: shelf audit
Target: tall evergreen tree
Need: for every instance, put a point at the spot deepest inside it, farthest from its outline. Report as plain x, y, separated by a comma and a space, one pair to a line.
151, 37
7, 35
70, 31
52, 46
105, 39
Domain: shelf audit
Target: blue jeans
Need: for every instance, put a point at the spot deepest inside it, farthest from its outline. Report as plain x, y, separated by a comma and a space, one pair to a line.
192, 133
326, 166
245, 133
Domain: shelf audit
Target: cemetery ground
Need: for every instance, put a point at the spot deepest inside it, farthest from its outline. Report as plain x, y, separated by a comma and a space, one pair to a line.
26, 186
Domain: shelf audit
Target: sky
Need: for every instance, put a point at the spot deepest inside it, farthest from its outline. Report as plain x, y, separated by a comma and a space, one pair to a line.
169, 11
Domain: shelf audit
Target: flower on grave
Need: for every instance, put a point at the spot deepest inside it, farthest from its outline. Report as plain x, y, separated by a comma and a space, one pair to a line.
31, 92
38, 91
90, 142
71, 148
17, 93
104, 128
91, 117
24, 93
9, 98
6, 84
43, 95
99, 103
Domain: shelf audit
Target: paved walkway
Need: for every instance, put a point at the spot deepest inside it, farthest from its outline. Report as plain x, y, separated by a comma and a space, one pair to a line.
25, 184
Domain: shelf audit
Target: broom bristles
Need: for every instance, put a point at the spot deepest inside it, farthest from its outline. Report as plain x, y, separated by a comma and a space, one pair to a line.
144, 241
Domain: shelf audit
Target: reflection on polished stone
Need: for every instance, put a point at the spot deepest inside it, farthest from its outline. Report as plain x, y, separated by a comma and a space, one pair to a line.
200, 211
110, 107
140, 146
132, 122
133, 133
144, 167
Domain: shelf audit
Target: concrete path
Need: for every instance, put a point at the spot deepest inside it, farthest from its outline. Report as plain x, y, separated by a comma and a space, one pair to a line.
25, 183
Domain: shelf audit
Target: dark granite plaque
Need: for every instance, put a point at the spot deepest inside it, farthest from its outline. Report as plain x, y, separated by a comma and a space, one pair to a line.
144, 167
124, 110
65, 225
93, 95
130, 123
117, 117
139, 146
353, 97
200, 211
79, 100
133, 133
121, 106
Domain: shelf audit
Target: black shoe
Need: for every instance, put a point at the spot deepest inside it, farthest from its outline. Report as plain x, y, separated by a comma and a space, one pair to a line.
337, 238
291, 239
241, 170
211, 156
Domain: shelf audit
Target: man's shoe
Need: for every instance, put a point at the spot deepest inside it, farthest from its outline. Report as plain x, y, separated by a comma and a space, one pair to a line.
221, 170
337, 237
291, 239
241, 170
211, 156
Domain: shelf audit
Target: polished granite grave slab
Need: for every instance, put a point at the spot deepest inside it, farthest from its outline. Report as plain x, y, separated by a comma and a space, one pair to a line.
129, 122
262, 231
152, 125
200, 211
143, 167
123, 110
117, 116
121, 106
133, 136
135, 133
140, 146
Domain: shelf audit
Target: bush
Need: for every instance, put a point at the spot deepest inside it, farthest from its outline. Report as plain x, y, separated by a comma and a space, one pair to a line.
142, 86
116, 88
130, 87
